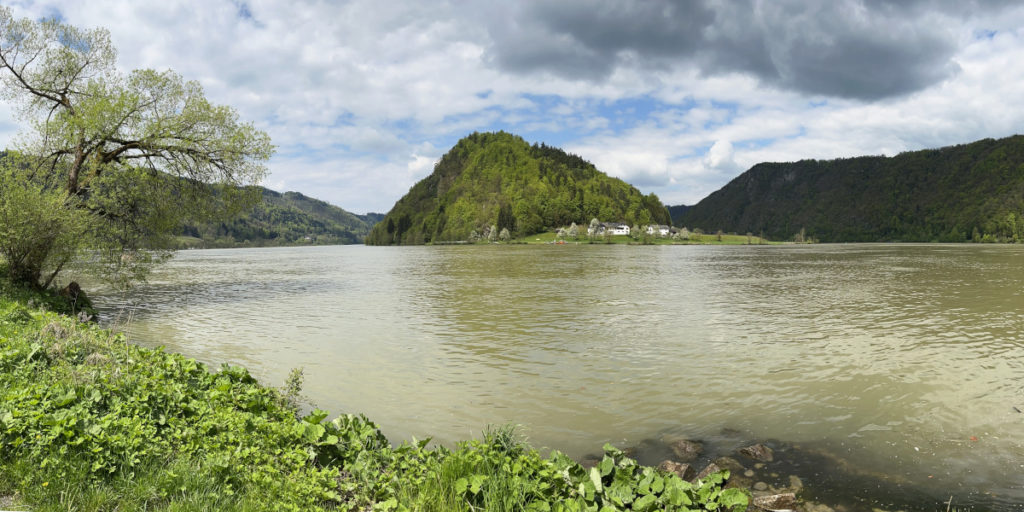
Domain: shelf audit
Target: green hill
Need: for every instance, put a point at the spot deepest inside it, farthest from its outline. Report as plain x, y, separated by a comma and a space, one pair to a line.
498, 179
677, 213
288, 218
967, 192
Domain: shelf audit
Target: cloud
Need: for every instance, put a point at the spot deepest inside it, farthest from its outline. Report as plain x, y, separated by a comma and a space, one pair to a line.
362, 97
846, 48
721, 157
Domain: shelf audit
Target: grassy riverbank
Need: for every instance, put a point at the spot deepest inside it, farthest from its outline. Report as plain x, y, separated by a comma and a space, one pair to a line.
89, 421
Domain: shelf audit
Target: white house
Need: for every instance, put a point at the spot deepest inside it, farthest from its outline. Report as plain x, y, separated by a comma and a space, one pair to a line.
613, 228
617, 229
658, 229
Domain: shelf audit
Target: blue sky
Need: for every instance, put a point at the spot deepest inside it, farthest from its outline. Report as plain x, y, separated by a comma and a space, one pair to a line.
362, 97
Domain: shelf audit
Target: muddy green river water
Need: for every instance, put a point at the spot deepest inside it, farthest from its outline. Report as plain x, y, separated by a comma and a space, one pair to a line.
902, 364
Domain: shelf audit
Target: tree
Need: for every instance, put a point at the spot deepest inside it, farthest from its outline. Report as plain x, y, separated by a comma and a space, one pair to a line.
574, 231
133, 155
36, 230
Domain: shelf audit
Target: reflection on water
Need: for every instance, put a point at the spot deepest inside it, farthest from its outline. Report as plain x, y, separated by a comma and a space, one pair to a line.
891, 357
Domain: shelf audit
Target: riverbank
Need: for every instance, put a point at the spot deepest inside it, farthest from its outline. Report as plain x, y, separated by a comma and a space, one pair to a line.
91, 422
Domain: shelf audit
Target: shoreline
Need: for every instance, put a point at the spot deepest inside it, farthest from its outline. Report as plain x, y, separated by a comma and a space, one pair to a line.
103, 417
775, 485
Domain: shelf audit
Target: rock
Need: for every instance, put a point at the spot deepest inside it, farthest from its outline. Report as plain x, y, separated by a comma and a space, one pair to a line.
760, 486
711, 468
684, 471
758, 452
733, 465
795, 483
775, 501
759, 466
686, 450
748, 473
738, 482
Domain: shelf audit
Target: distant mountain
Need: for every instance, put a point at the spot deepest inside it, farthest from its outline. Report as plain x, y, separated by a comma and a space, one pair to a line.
288, 218
498, 179
676, 212
967, 192
371, 218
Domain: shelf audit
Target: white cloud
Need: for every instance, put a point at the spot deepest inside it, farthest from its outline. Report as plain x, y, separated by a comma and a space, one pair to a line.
721, 157
363, 97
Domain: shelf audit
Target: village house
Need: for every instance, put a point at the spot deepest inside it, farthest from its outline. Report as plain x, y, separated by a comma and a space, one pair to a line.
614, 228
658, 229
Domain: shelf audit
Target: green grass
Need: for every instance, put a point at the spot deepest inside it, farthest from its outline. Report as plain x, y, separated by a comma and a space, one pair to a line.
89, 421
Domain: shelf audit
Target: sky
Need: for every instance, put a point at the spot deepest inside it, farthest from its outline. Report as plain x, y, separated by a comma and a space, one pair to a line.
363, 97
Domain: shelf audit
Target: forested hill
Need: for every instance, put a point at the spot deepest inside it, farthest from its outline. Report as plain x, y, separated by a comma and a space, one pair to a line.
967, 192
677, 213
288, 218
498, 179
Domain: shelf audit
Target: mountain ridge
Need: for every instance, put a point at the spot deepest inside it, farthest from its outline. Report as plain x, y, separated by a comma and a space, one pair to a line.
283, 218
972, 191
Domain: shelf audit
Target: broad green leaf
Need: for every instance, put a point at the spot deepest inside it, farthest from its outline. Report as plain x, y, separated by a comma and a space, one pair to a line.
595, 478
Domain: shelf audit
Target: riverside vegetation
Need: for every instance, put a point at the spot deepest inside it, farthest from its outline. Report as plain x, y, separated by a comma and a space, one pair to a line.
91, 422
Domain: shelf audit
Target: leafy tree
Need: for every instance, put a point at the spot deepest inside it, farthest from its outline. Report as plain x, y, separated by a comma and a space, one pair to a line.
131, 154
36, 230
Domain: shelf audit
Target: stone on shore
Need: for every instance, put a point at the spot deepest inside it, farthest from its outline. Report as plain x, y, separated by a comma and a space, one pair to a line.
733, 465
782, 501
684, 471
711, 468
686, 450
758, 452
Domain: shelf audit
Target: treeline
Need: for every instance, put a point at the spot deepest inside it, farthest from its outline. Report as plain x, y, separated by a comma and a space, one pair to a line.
280, 219
499, 180
969, 192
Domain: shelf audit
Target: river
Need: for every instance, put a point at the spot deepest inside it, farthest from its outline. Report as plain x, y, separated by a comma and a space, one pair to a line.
904, 362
